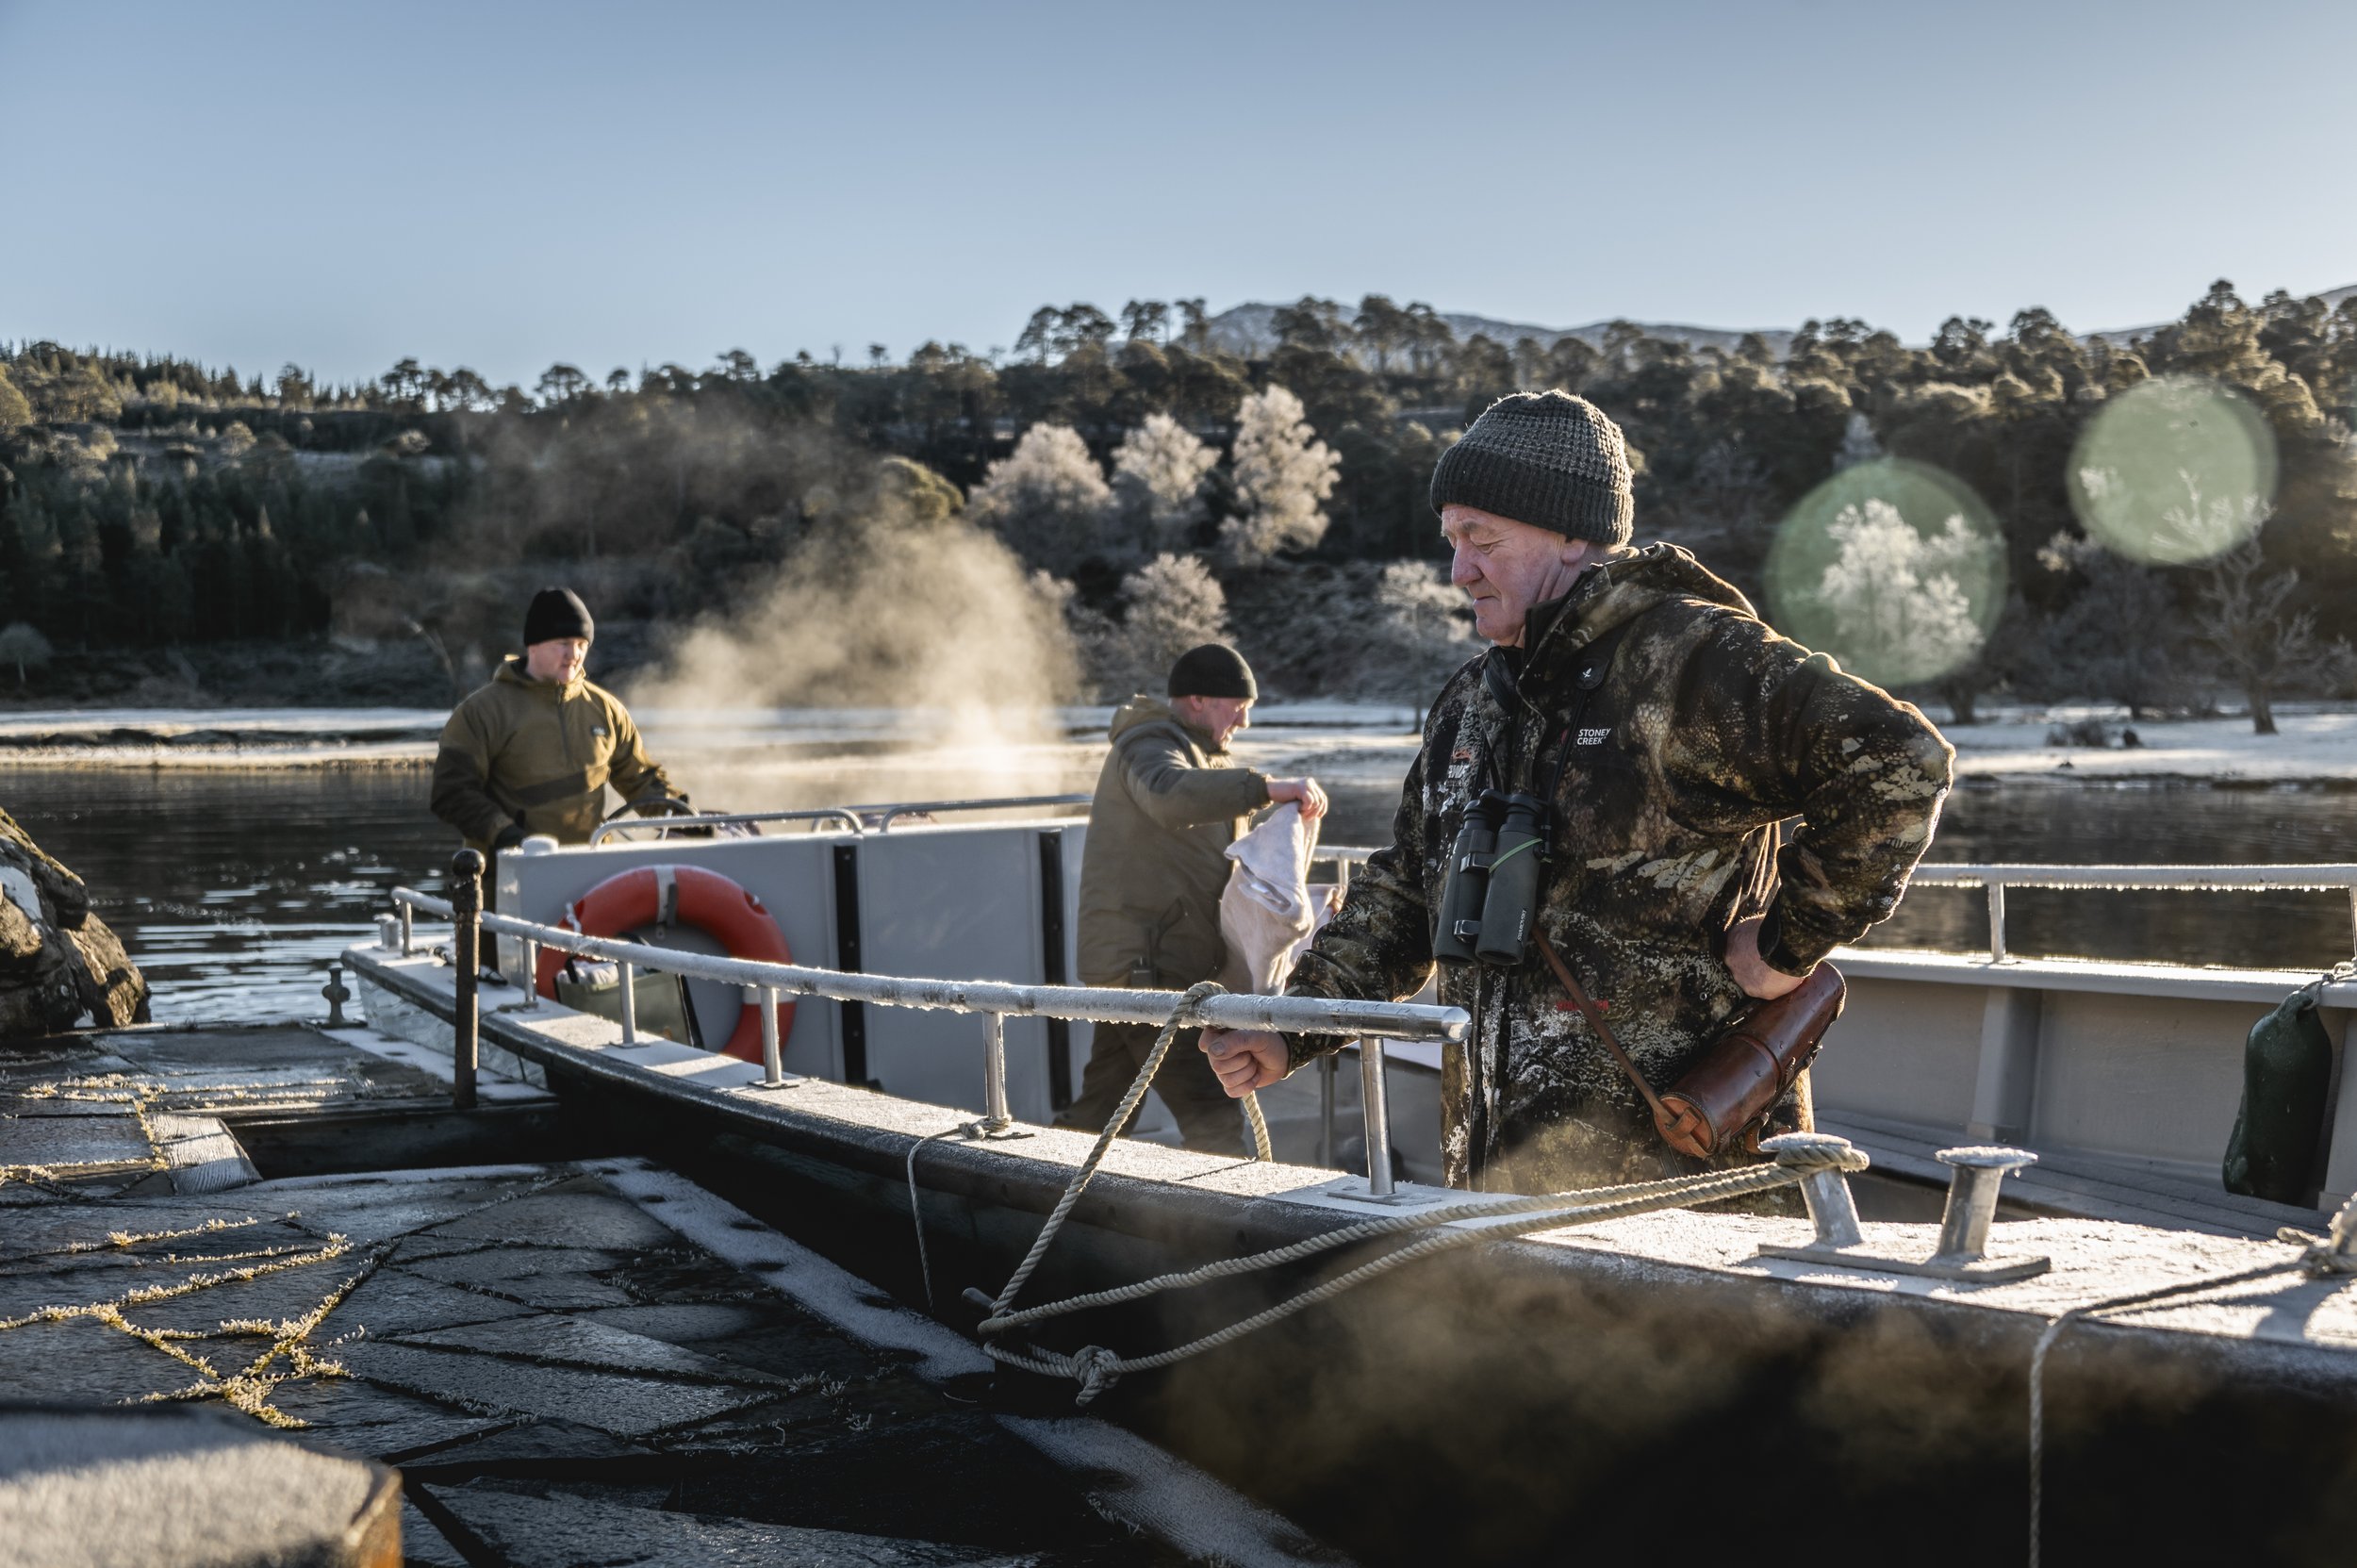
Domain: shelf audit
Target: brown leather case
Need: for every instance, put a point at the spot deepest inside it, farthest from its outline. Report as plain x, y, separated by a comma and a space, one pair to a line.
1732, 1085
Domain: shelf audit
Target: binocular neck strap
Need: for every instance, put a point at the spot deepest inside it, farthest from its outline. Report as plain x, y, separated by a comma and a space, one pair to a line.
1594, 1016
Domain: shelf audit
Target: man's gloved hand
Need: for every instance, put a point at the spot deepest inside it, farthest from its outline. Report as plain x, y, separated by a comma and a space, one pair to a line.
1246, 1058
509, 838
657, 807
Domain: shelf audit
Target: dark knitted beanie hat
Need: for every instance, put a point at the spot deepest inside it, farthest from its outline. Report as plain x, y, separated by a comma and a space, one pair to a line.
1214, 669
557, 613
1546, 459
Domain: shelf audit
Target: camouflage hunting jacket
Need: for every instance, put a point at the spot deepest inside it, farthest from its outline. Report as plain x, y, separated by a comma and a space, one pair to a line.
1678, 732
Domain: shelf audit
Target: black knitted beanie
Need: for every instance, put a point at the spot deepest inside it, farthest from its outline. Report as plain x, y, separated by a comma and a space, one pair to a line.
557, 613
1549, 459
1214, 669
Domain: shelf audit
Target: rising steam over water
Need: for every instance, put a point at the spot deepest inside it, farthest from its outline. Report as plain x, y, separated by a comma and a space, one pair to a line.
890, 608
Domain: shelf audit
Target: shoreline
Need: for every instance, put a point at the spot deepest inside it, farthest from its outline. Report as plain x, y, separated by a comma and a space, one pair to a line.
1360, 743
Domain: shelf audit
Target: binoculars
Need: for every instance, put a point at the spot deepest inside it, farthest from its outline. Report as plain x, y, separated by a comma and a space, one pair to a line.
1490, 895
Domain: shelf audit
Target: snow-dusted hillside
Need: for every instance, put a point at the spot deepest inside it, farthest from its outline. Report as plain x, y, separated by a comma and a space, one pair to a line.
1245, 330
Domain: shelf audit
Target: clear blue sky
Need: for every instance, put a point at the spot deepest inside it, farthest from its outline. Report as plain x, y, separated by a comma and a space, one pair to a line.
504, 185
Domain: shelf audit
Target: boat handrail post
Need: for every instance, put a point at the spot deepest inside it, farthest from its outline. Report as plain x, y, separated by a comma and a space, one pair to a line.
466, 954
409, 928
996, 1116
772, 1063
530, 964
629, 1000
2352, 919
1374, 1097
1997, 920
1326, 1110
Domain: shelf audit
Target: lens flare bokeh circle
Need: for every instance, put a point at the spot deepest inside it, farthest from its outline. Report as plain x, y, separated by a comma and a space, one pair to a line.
2173, 470
1893, 567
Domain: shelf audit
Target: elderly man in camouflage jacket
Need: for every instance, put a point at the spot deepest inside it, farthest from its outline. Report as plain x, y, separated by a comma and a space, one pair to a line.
1672, 731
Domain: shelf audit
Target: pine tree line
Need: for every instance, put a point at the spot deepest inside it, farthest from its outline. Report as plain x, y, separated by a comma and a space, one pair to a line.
150, 501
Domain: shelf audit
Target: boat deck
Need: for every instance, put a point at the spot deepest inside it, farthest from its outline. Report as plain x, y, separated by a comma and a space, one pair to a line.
2083, 1186
568, 1360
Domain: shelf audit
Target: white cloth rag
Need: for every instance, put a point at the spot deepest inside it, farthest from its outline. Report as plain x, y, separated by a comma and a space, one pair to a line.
1269, 912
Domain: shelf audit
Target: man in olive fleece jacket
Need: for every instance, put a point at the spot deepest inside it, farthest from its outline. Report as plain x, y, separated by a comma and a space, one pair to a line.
533, 750
1672, 731
1169, 802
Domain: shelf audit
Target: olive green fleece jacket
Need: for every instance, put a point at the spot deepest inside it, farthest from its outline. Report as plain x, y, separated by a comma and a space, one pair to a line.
1678, 759
1167, 806
538, 756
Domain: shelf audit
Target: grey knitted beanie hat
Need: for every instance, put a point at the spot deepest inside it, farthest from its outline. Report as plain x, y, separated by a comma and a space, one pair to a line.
1549, 459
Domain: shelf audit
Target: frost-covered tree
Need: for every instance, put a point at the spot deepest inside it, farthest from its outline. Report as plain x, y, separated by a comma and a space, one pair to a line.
1046, 498
1170, 604
1284, 475
1858, 444
1897, 594
22, 646
1159, 471
1424, 630
2261, 644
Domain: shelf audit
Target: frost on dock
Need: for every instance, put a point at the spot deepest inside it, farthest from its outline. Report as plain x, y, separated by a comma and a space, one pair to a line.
544, 1361
558, 1375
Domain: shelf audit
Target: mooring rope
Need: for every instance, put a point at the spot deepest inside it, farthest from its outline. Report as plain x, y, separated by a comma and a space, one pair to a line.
2330, 1253
1183, 1015
1180, 1018
1258, 1123
917, 1215
1097, 1368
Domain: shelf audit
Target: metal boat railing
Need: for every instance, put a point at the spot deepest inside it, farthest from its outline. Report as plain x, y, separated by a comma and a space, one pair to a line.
854, 819
1995, 878
762, 984
1370, 1023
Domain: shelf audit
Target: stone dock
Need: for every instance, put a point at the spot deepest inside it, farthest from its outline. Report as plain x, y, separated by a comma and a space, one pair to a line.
583, 1359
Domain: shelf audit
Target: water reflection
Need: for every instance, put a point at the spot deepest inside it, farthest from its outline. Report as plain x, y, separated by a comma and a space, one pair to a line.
234, 890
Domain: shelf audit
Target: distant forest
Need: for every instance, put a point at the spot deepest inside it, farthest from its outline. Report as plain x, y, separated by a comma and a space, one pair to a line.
150, 503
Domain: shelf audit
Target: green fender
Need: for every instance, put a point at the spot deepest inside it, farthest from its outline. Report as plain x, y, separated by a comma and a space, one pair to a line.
2286, 1069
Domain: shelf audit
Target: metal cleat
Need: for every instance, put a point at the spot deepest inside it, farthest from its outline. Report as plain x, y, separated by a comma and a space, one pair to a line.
1978, 1170
1827, 1192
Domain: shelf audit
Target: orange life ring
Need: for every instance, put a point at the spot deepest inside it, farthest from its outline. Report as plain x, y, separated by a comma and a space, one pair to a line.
705, 900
